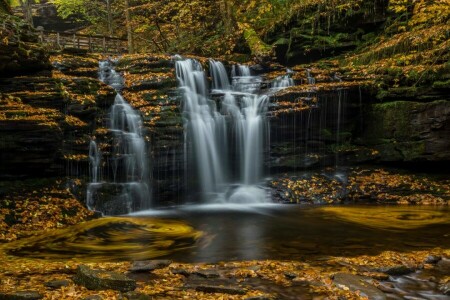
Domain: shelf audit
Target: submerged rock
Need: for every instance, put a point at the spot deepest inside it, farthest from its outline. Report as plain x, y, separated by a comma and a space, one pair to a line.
103, 280
358, 283
149, 265
22, 295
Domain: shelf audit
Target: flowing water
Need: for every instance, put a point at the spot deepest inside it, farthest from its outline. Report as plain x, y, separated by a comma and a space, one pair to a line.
127, 189
232, 232
226, 131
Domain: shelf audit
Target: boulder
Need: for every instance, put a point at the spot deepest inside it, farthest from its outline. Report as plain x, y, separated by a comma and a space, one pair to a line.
56, 284
103, 280
149, 265
21, 295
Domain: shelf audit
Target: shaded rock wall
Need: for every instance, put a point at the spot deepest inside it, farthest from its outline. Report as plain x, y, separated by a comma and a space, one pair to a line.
19, 51
406, 131
46, 123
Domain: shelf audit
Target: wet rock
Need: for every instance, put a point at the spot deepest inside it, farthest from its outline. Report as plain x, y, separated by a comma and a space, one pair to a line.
358, 283
56, 284
103, 280
220, 289
444, 266
445, 288
136, 296
21, 295
290, 275
149, 265
407, 130
433, 259
397, 270
376, 275
207, 273
387, 287
180, 272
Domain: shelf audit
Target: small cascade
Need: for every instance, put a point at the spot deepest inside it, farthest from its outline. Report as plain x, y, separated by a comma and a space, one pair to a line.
225, 130
240, 71
309, 77
282, 82
128, 189
94, 161
218, 75
243, 81
109, 76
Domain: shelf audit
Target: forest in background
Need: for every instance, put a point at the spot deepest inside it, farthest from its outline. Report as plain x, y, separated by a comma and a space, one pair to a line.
214, 28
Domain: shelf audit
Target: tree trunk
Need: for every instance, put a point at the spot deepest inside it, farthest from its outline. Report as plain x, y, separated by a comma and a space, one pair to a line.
110, 19
129, 28
27, 11
226, 6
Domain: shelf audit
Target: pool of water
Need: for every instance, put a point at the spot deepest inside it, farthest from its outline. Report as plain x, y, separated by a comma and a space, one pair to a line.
212, 233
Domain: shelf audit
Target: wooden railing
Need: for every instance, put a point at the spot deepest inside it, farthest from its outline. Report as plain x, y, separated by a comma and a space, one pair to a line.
91, 43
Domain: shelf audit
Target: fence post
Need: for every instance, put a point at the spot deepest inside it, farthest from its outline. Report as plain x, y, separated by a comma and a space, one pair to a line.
104, 45
74, 41
78, 38
90, 45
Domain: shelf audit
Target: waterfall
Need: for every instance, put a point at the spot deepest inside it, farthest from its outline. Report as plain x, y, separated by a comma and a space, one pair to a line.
225, 130
309, 77
94, 161
128, 189
282, 82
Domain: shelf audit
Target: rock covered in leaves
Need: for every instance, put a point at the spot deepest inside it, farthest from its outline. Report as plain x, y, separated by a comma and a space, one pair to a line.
358, 283
103, 280
22, 295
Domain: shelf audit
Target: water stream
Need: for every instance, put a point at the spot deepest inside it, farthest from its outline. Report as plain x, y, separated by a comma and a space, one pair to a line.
226, 131
127, 189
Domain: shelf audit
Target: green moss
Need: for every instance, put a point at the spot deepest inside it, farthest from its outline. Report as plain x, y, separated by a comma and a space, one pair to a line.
257, 46
441, 84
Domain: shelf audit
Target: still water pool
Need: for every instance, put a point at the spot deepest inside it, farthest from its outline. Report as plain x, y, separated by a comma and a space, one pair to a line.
235, 232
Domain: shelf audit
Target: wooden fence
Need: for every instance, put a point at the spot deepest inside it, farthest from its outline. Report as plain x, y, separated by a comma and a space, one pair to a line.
100, 44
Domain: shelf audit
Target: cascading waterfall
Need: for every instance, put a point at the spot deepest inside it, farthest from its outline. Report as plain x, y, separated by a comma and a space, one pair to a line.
223, 132
128, 160
282, 82
94, 161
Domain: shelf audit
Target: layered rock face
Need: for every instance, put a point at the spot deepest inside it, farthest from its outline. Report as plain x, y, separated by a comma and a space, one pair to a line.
46, 123
19, 51
151, 87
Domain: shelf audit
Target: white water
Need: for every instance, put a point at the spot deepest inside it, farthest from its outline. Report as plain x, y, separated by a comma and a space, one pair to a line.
282, 82
94, 161
128, 159
226, 137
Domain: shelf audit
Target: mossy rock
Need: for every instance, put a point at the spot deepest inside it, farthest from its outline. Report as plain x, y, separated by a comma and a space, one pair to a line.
103, 280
